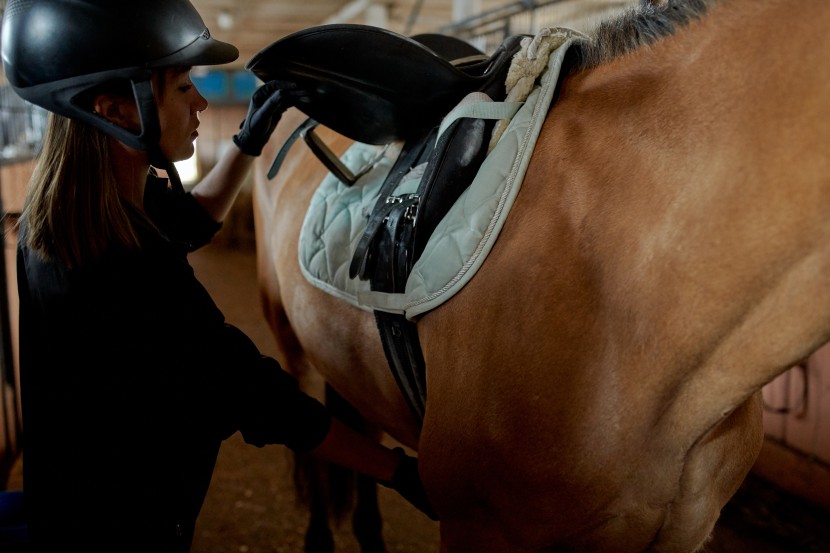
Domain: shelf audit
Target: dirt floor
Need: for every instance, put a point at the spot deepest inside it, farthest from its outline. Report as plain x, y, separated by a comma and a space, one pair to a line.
251, 506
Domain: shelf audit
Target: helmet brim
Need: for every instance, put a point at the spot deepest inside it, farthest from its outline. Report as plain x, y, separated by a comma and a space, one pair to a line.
202, 51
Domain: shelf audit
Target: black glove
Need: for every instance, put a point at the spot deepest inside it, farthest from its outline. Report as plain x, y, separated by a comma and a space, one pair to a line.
406, 482
267, 106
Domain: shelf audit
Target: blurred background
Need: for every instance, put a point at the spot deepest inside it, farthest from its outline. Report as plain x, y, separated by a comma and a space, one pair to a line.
784, 505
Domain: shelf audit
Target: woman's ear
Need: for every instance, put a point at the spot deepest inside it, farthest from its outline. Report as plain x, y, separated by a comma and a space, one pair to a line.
119, 110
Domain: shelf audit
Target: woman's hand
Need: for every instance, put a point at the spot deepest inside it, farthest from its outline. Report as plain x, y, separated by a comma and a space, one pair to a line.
407, 482
264, 112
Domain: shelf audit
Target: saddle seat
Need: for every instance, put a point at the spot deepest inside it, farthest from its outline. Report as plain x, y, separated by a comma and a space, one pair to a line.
373, 85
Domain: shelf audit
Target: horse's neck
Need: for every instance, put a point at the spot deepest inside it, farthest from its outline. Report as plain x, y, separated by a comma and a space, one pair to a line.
693, 175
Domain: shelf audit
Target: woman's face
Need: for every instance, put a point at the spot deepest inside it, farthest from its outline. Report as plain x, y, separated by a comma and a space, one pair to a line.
179, 104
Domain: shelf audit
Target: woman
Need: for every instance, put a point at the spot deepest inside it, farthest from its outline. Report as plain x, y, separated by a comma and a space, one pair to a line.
130, 376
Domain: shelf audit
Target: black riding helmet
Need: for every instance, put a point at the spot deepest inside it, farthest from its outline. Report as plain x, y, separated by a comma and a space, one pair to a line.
55, 50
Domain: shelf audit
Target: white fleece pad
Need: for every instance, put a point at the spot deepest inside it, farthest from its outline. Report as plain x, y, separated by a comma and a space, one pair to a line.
338, 214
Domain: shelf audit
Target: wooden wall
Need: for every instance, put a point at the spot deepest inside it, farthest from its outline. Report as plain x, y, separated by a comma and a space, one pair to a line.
13, 179
796, 455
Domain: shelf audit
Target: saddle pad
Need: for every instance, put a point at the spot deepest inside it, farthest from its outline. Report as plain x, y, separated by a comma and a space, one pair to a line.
337, 214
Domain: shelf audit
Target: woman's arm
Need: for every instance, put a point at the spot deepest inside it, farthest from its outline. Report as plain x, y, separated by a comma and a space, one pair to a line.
345, 447
391, 467
218, 190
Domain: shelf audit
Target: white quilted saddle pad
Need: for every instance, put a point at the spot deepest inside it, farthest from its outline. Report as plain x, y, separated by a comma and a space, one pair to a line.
338, 214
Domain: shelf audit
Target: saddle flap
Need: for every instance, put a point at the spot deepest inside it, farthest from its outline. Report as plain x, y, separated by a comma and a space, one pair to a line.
369, 84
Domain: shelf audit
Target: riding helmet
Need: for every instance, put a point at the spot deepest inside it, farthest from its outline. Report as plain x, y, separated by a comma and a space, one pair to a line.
54, 50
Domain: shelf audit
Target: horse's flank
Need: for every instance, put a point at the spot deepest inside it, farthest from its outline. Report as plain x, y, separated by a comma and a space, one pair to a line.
671, 234
594, 387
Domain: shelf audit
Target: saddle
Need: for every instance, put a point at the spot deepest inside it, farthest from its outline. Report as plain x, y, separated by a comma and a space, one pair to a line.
377, 87
370, 84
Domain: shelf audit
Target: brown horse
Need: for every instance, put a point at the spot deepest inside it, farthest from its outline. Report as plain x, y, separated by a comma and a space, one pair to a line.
595, 386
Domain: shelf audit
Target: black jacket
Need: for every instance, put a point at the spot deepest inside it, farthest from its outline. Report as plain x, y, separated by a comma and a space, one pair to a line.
131, 379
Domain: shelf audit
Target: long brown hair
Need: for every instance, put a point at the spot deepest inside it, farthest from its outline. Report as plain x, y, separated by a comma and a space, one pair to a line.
73, 208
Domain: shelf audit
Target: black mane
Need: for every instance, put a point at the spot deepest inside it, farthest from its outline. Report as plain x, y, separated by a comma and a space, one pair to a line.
637, 27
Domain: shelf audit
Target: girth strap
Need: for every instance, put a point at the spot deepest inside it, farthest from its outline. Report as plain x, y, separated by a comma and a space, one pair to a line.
403, 353
399, 336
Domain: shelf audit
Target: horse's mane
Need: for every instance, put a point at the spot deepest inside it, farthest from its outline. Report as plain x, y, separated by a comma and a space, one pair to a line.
637, 27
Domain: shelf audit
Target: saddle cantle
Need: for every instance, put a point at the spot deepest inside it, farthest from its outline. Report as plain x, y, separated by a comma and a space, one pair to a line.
373, 85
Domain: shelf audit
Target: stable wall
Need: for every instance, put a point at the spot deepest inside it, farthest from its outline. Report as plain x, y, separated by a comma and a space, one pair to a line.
796, 453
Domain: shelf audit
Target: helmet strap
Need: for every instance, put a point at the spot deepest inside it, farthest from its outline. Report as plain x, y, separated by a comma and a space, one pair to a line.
147, 113
151, 131
173, 175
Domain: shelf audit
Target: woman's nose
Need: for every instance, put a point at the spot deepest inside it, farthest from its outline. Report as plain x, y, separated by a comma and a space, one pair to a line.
201, 103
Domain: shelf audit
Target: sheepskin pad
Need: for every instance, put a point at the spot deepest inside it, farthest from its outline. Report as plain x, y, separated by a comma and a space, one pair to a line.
338, 214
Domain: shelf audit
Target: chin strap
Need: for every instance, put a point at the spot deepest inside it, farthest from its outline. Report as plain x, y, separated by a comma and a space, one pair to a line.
159, 161
151, 132
173, 175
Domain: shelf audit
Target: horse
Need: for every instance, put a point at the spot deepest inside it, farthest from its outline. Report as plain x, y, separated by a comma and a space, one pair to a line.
596, 385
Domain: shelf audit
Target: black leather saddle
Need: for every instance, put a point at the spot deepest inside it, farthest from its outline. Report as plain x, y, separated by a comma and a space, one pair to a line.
377, 87
373, 85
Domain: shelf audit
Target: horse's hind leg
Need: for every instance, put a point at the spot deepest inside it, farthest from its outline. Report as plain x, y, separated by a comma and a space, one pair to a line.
324, 489
318, 536
330, 492
366, 519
